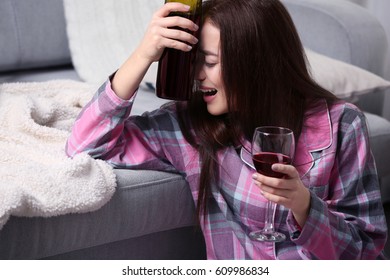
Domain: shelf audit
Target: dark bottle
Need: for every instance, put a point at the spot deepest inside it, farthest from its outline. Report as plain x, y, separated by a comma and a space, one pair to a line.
176, 69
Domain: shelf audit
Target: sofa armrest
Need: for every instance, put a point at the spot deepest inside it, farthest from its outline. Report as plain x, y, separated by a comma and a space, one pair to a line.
341, 30
347, 32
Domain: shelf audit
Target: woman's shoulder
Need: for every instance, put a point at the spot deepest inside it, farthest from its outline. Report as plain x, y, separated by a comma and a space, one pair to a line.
347, 112
325, 111
348, 119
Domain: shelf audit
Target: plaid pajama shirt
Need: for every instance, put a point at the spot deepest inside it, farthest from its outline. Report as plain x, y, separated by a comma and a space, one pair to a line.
333, 157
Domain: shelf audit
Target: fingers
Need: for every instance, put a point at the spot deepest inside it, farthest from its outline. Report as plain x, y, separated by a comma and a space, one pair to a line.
171, 31
279, 199
274, 191
178, 21
273, 194
261, 180
289, 170
171, 7
173, 44
277, 186
289, 192
175, 21
179, 35
173, 38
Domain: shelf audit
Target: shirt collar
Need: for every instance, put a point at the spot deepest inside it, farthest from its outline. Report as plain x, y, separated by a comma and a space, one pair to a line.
316, 136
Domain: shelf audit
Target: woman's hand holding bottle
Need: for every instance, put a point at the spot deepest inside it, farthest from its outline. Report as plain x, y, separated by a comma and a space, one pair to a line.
158, 36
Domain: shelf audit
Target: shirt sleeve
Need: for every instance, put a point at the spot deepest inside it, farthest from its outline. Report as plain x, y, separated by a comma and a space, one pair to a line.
99, 124
350, 223
105, 130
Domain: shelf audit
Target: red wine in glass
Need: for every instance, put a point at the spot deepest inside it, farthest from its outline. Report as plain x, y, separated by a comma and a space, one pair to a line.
271, 145
263, 162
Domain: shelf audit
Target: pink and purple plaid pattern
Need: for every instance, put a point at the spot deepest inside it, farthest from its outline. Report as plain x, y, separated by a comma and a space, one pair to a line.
333, 156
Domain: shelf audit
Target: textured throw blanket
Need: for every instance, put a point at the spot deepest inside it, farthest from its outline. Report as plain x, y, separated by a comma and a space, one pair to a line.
36, 177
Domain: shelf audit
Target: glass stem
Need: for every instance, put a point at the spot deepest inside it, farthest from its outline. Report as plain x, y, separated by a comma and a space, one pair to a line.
269, 220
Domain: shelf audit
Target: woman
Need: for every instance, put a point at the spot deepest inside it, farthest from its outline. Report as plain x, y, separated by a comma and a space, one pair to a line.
251, 72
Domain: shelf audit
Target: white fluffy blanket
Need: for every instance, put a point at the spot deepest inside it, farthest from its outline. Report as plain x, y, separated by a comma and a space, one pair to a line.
37, 178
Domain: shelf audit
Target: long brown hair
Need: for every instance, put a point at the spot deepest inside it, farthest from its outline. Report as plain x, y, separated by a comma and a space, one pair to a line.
265, 76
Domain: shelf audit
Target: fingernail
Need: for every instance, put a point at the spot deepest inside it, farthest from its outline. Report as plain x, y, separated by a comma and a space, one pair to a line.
254, 176
275, 167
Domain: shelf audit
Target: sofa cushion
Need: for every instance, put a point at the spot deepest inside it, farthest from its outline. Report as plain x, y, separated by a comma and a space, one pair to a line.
379, 129
345, 80
31, 37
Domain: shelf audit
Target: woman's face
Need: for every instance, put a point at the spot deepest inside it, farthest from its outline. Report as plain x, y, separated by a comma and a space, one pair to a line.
209, 70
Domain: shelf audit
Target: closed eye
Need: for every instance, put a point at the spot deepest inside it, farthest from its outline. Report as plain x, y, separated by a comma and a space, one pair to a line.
210, 65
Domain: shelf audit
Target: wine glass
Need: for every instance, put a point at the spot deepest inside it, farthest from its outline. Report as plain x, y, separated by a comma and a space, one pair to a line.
271, 144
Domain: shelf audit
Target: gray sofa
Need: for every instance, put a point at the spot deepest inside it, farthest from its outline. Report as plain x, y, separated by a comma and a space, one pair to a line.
151, 215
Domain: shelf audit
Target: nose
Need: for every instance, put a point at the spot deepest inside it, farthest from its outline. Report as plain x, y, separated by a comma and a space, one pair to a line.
199, 71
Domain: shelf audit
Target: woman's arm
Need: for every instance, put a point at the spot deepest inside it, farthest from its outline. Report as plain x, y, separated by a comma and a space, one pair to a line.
350, 222
100, 125
100, 128
105, 131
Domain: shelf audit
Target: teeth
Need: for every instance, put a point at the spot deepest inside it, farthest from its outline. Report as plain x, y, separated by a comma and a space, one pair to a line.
209, 92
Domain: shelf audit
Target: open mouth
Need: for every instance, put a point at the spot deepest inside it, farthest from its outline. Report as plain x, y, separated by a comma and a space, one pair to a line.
209, 92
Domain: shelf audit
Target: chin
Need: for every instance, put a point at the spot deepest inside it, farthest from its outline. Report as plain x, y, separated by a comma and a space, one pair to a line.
216, 111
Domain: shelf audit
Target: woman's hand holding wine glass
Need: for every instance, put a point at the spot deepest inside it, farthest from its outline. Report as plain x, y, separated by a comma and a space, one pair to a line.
288, 191
273, 151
